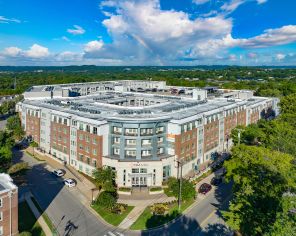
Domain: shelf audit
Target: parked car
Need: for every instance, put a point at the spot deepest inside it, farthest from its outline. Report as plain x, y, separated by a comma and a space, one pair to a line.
216, 181
70, 183
58, 172
204, 188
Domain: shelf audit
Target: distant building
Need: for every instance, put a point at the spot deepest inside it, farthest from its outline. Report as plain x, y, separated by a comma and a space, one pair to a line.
8, 206
142, 136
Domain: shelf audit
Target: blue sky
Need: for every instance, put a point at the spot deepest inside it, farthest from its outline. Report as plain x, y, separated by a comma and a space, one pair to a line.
147, 32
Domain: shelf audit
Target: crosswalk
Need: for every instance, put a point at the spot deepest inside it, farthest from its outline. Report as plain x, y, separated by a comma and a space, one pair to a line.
109, 233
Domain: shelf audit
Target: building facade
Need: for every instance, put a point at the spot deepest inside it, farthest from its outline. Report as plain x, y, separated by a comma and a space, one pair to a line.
142, 136
8, 206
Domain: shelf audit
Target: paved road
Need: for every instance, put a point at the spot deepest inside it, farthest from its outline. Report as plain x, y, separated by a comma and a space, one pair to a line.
62, 204
63, 207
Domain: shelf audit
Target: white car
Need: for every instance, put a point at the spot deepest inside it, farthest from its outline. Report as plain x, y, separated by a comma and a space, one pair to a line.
58, 172
70, 183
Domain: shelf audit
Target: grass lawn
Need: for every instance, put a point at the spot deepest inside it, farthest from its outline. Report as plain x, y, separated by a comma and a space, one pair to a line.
27, 221
147, 220
111, 218
45, 216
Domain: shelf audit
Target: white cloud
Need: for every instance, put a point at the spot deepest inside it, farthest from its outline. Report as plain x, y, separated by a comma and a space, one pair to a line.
200, 2
93, 46
280, 56
271, 37
12, 51
261, 1
77, 30
8, 20
65, 38
252, 55
37, 51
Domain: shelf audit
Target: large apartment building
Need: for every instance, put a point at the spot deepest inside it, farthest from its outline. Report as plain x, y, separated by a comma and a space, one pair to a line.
8, 206
139, 128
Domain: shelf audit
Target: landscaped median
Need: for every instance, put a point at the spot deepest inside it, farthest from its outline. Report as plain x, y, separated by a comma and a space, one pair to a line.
112, 212
159, 214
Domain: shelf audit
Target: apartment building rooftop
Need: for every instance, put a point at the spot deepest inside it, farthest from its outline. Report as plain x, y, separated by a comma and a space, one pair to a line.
6, 183
133, 106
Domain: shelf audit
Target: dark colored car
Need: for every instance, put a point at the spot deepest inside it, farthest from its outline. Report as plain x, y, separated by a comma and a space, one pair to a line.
204, 188
216, 181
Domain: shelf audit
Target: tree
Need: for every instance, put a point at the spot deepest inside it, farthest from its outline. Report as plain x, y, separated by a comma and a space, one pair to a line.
187, 191
285, 223
33, 145
260, 177
14, 125
105, 178
107, 199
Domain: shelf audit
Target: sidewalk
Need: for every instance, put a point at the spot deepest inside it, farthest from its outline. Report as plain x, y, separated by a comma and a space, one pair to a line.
140, 206
38, 215
83, 184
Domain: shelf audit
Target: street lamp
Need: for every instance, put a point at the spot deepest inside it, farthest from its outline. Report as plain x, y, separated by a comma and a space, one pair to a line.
92, 195
55, 231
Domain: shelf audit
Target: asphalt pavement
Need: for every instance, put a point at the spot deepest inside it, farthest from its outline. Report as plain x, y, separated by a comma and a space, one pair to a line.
71, 217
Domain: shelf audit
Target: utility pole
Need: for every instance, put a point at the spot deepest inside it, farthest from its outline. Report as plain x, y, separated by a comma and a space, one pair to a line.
180, 184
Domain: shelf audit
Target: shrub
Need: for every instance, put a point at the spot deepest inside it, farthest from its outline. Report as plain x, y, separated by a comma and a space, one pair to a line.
124, 189
107, 199
159, 208
119, 208
25, 233
155, 189
16, 168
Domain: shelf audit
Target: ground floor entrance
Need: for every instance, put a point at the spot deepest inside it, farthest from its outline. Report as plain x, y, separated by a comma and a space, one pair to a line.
139, 181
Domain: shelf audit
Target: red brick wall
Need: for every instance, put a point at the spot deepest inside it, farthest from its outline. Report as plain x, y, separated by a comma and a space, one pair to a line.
230, 122
189, 146
242, 118
98, 146
211, 135
61, 131
33, 127
5, 209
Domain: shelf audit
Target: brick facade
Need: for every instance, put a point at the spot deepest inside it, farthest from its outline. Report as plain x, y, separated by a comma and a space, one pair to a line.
89, 148
186, 145
33, 125
5, 209
60, 137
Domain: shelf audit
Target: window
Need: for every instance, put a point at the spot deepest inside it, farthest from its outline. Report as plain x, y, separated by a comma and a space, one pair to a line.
1, 202
74, 122
95, 163
130, 142
95, 130
131, 131
116, 151
65, 131
159, 139
135, 171
117, 130
87, 138
94, 141
131, 153
80, 136
80, 146
1, 215
146, 142
65, 121
116, 140
143, 170
87, 128
147, 131
160, 150
94, 151
159, 129
80, 126
1, 230
60, 120
146, 153
87, 149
